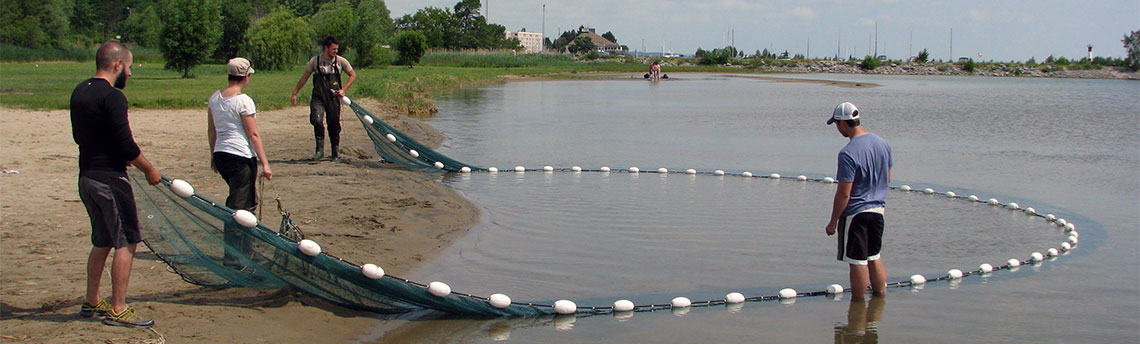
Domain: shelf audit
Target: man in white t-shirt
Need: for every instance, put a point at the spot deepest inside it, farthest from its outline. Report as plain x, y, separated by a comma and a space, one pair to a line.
327, 92
237, 151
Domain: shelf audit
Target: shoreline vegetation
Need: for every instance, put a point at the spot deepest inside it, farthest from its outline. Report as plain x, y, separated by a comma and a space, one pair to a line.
46, 85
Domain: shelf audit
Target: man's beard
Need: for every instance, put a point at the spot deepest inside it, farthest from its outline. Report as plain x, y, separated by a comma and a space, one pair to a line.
121, 80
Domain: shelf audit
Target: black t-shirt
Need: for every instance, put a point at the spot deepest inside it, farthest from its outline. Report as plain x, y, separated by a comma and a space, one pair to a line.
100, 127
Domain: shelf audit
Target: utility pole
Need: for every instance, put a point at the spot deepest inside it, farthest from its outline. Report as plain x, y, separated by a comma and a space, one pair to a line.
808, 55
910, 48
838, 43
951, 44
876, 39
543, 50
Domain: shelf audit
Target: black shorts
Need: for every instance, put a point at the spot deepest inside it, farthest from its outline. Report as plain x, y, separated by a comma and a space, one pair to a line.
861, 237
110, 204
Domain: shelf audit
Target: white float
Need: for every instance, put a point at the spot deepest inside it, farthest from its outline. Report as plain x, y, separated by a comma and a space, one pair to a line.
801, 178
548, 168
951, 194
986, 268
368, 120
1050, 217
565, 307
917, 279
734, 297
634, 170
680, 302
1036, 256
576, 168
390, 137
309, 247
662, 170
438, 164
788, 293
718, 173
372, 271
1030, 210
414, 153
774, 176
465, 169
1070, 227
1052, 252
439, 289
345, 100
1066, 246
834, 289
245, 218
1074, 240
1074, 233
973, 198
828, 180
1013, 262
690, 171
604, 169
993, 201
181, 188
493, 169
954, 273
623, 306
905, 187
499, 301
928, 191
1013, 205
746, 174
520, 169
1062, 222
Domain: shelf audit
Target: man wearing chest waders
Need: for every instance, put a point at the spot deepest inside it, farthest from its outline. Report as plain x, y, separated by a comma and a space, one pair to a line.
327, 92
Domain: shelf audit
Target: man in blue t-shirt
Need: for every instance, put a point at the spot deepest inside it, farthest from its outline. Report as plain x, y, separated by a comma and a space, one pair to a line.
864, 175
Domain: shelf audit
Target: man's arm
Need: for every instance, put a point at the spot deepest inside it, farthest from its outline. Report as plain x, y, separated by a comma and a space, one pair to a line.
300, 83
842, 196
351, 77
213, 135
152, 175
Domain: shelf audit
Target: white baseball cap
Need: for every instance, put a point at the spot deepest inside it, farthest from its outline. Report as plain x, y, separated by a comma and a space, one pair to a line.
843, 112
239, 66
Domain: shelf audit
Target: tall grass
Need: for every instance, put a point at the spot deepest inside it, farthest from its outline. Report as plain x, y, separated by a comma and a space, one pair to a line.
12, 53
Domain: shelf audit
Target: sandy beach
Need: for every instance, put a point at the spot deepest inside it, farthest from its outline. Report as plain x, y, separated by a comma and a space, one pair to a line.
360, 210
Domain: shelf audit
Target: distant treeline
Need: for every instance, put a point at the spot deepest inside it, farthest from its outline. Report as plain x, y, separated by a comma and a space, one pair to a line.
275, 33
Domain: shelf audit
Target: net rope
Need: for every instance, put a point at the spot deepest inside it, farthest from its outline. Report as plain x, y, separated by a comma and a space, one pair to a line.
186, 233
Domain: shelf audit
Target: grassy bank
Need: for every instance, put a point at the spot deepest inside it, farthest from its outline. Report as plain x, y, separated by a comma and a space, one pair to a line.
48, 85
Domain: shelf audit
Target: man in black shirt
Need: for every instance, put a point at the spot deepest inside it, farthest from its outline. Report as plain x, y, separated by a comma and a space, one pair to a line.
100, 128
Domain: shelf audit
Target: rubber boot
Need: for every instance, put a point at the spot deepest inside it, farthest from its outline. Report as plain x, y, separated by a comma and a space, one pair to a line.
320, 151
335, 157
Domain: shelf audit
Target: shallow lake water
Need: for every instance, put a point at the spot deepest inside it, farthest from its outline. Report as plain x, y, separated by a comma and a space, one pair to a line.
1067, 147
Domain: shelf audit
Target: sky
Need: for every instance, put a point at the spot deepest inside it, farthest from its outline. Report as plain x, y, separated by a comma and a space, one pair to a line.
999, 30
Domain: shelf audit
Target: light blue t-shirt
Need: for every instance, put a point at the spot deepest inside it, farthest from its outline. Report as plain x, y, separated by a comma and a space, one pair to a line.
866, 163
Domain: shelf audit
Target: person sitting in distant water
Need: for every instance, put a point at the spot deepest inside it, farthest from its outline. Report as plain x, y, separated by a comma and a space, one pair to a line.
655, 71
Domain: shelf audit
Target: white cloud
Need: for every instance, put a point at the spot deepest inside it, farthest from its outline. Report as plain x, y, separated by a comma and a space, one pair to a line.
979, 15
804, 12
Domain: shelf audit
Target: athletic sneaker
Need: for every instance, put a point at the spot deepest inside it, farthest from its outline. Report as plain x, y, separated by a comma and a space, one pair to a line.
100, 308
127, 318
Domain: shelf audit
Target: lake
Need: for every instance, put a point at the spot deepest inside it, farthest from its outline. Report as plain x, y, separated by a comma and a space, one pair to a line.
1068, 147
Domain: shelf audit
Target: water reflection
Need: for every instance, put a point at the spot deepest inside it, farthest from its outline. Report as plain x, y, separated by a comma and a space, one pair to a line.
862, 321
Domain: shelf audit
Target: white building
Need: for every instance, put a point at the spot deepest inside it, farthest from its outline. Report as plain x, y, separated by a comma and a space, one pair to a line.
530, 41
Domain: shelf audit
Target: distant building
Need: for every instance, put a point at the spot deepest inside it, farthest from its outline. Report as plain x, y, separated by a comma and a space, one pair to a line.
601, 44
530, 41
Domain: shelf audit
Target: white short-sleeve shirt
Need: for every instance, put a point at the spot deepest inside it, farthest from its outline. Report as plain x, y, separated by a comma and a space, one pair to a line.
231, 137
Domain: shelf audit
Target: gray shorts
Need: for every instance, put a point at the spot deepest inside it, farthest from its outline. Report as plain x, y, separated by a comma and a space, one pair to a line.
110, 204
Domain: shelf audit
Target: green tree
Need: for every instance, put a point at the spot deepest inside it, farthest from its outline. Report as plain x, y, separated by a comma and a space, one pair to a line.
32, 24
437, 25
582, 45
236, 17
610, 36
372, 29
870, 63
142, 27
190, 32
333, 19
923, 56
278, 40
1132, 47
969, 66
411, 46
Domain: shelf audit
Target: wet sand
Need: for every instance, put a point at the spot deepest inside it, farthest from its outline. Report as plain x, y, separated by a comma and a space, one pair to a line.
360, 210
